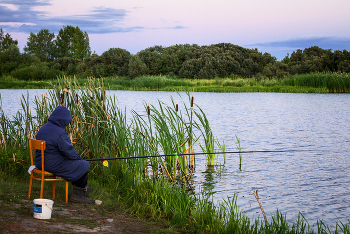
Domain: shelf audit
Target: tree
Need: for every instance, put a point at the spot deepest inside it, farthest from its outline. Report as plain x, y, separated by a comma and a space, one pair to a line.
80, 44
9, 59
72, 42
116, 61
314, 51
63, 42
137, 67
6, 41
41, 45
152, 57
223, 60
278, 69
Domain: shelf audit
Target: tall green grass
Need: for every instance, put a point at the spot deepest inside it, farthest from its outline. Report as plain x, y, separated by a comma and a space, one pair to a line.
301, 83
334, 82
100, 129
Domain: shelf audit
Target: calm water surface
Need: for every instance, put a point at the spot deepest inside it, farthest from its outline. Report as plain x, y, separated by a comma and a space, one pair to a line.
315, 182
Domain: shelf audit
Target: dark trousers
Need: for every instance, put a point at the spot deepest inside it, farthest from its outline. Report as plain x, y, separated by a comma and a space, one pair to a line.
82, 181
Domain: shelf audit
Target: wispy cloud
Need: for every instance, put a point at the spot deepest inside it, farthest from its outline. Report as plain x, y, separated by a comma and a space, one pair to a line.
176, 27
20, 14
23, 18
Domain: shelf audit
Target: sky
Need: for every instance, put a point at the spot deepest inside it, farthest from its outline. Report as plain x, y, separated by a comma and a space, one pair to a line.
277, 27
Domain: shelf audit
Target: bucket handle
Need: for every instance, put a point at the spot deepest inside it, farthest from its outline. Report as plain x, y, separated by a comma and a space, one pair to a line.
49, 207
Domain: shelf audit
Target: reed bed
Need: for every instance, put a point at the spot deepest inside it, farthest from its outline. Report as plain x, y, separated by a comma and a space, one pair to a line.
99, 129
335, 82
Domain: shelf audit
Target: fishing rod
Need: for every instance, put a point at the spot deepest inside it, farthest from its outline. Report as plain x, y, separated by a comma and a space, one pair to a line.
202, 153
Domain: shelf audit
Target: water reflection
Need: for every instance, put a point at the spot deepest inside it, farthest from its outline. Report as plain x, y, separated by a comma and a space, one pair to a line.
209, 182
213, 175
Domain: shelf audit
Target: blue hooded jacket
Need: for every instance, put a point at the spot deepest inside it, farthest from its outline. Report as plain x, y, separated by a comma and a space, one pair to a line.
61, 158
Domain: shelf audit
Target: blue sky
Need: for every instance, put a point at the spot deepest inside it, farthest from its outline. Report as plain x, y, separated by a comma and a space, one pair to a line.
274, 26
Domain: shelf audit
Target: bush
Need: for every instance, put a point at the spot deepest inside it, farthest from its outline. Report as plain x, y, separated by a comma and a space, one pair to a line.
277, 69
9, 59
64, 63
224, 59
116, 61
36, 72
137, 67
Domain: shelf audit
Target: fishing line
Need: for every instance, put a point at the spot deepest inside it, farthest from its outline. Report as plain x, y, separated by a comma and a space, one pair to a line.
203, 153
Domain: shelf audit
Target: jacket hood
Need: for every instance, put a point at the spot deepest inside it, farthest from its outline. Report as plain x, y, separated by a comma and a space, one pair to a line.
61, 116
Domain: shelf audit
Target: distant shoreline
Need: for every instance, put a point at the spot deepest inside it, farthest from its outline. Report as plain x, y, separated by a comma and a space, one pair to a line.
306, 83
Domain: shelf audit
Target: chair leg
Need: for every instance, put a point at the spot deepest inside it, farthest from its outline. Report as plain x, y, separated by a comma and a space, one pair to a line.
67, 191
30, 185
42, 189
53, 188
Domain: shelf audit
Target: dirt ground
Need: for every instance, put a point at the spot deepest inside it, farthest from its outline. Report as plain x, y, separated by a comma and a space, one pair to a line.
17, 217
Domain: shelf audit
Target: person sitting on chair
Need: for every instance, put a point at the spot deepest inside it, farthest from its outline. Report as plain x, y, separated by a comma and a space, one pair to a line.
61, 158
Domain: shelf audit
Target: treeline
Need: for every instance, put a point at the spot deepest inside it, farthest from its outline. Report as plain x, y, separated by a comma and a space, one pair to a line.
309, 60
46, 56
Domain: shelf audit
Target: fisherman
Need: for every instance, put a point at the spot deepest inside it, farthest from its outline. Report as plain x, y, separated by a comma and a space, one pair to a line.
61, 158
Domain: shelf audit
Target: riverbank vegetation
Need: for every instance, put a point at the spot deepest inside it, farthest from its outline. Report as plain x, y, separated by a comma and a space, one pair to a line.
157, 188
305, 83
47, 56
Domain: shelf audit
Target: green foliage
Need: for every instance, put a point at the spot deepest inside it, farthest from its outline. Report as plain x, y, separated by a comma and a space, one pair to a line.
209, 140
72, 42
240, 82
91, 67
41, 45
38, 71
150, 82
315, 59
67, 64
6, 41
99, 128
334, 82
70, 53
14, 160
10, 59
223, 60
277, 69
166, 60
116, 62
81, 44
137, 67
307, 83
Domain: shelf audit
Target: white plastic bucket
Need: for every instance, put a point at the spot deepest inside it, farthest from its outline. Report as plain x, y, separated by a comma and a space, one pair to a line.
42, 208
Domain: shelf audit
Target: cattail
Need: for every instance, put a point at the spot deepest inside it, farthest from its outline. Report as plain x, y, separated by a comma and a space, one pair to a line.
4, 141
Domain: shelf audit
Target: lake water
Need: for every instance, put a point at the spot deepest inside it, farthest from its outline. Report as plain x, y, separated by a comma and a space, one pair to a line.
314, 182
